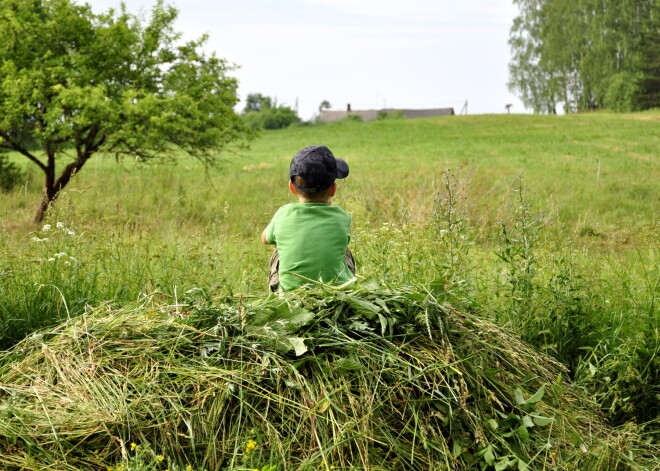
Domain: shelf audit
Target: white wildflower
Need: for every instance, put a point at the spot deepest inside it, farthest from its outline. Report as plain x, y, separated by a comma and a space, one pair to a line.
60, 255
51, 259
46, 227
60, 225
67, 263
71, 233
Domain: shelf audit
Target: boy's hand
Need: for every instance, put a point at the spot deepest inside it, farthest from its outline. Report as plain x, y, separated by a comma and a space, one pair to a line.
263, 238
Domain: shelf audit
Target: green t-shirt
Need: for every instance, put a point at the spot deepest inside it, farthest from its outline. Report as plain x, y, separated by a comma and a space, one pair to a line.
311, 239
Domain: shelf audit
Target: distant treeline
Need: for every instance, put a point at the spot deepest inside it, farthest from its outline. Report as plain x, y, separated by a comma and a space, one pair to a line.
586, 54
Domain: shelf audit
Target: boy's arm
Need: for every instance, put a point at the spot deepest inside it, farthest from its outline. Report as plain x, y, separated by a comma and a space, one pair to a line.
263, 238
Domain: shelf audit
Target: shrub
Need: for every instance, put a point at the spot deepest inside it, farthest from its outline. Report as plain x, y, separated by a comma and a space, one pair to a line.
392, 114
10, 174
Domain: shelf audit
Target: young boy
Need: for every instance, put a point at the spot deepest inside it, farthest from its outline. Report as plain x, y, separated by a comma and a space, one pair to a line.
312, 235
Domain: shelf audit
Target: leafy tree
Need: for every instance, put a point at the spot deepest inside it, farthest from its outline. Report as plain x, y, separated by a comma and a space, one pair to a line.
587, 54
257, 102
73, 84
262, 112
325, 105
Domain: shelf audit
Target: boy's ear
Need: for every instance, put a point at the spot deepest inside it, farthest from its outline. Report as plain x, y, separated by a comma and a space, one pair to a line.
332, 189
292, 188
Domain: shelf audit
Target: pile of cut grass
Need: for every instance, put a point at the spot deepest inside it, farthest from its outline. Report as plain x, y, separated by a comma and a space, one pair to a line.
367, 379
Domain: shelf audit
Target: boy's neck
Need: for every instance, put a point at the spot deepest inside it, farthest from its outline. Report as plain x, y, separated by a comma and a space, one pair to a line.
326, 199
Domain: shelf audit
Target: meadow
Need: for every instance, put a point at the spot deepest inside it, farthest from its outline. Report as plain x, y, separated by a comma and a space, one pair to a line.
546, 226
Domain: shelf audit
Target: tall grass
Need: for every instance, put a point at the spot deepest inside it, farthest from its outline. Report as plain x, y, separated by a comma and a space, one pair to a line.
567, 256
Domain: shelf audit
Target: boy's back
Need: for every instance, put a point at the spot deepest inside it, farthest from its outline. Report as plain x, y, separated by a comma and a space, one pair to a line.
311, 239
312, 235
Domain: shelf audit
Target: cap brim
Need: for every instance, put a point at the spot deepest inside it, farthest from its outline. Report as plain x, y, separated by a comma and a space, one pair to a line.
342, 168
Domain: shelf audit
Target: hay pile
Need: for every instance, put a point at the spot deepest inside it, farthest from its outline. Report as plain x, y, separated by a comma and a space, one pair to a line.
373, 379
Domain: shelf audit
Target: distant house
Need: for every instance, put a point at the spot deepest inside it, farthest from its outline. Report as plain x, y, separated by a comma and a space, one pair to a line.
328, 116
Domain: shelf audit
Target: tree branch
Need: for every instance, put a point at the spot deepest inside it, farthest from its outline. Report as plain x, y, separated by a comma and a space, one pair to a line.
13, 146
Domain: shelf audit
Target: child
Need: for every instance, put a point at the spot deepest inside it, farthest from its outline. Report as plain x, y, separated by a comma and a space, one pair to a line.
311, 236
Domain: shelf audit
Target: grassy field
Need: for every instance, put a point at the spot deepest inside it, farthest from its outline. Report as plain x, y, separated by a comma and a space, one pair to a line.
546, 225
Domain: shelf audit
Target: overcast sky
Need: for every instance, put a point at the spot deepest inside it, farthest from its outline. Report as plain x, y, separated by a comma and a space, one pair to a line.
370, 53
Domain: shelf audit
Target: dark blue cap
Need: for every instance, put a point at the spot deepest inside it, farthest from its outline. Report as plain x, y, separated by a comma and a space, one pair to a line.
318, 167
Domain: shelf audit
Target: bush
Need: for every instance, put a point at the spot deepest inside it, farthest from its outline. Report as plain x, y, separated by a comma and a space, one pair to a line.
271, 118
395, 114
10, 174
351, 118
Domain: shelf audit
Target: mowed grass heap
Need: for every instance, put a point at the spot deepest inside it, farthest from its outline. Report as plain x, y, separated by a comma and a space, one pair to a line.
369, 379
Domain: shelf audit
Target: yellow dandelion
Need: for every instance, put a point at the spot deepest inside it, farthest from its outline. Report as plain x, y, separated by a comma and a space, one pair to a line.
189, 468
133, 446
160, 458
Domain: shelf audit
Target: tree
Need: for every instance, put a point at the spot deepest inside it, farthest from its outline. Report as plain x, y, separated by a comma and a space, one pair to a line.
257, 102
587, 54
74, 84
325, 105
263, 112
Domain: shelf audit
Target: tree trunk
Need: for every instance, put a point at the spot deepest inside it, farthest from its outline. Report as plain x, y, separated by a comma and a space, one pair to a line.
45, 201
54, 187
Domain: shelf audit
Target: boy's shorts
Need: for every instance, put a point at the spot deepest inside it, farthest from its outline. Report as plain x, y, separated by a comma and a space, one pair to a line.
274, 267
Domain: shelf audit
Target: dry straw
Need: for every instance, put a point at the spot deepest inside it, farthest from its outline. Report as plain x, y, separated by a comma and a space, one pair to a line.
371, 379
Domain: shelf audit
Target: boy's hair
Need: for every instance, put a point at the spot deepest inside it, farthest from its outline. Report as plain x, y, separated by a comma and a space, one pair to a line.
300, 184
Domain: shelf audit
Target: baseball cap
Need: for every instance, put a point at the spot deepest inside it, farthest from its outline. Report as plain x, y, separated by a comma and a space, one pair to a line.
318, 167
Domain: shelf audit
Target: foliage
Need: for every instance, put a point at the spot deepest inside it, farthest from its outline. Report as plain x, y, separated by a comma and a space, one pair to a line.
10, 174
72, 82
579, 52
262, 112
324, 105
351, 118
371, 378
623, 92
650, 82
385, 114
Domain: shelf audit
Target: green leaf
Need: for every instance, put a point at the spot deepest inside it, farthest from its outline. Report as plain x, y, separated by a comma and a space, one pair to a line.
383, 323
592, 369
344, 365
518, 397
363, 307
457, 449
493, 424
542, 421
298, 344
504, 463
489, 457
527, 421
537, 396
522, 433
